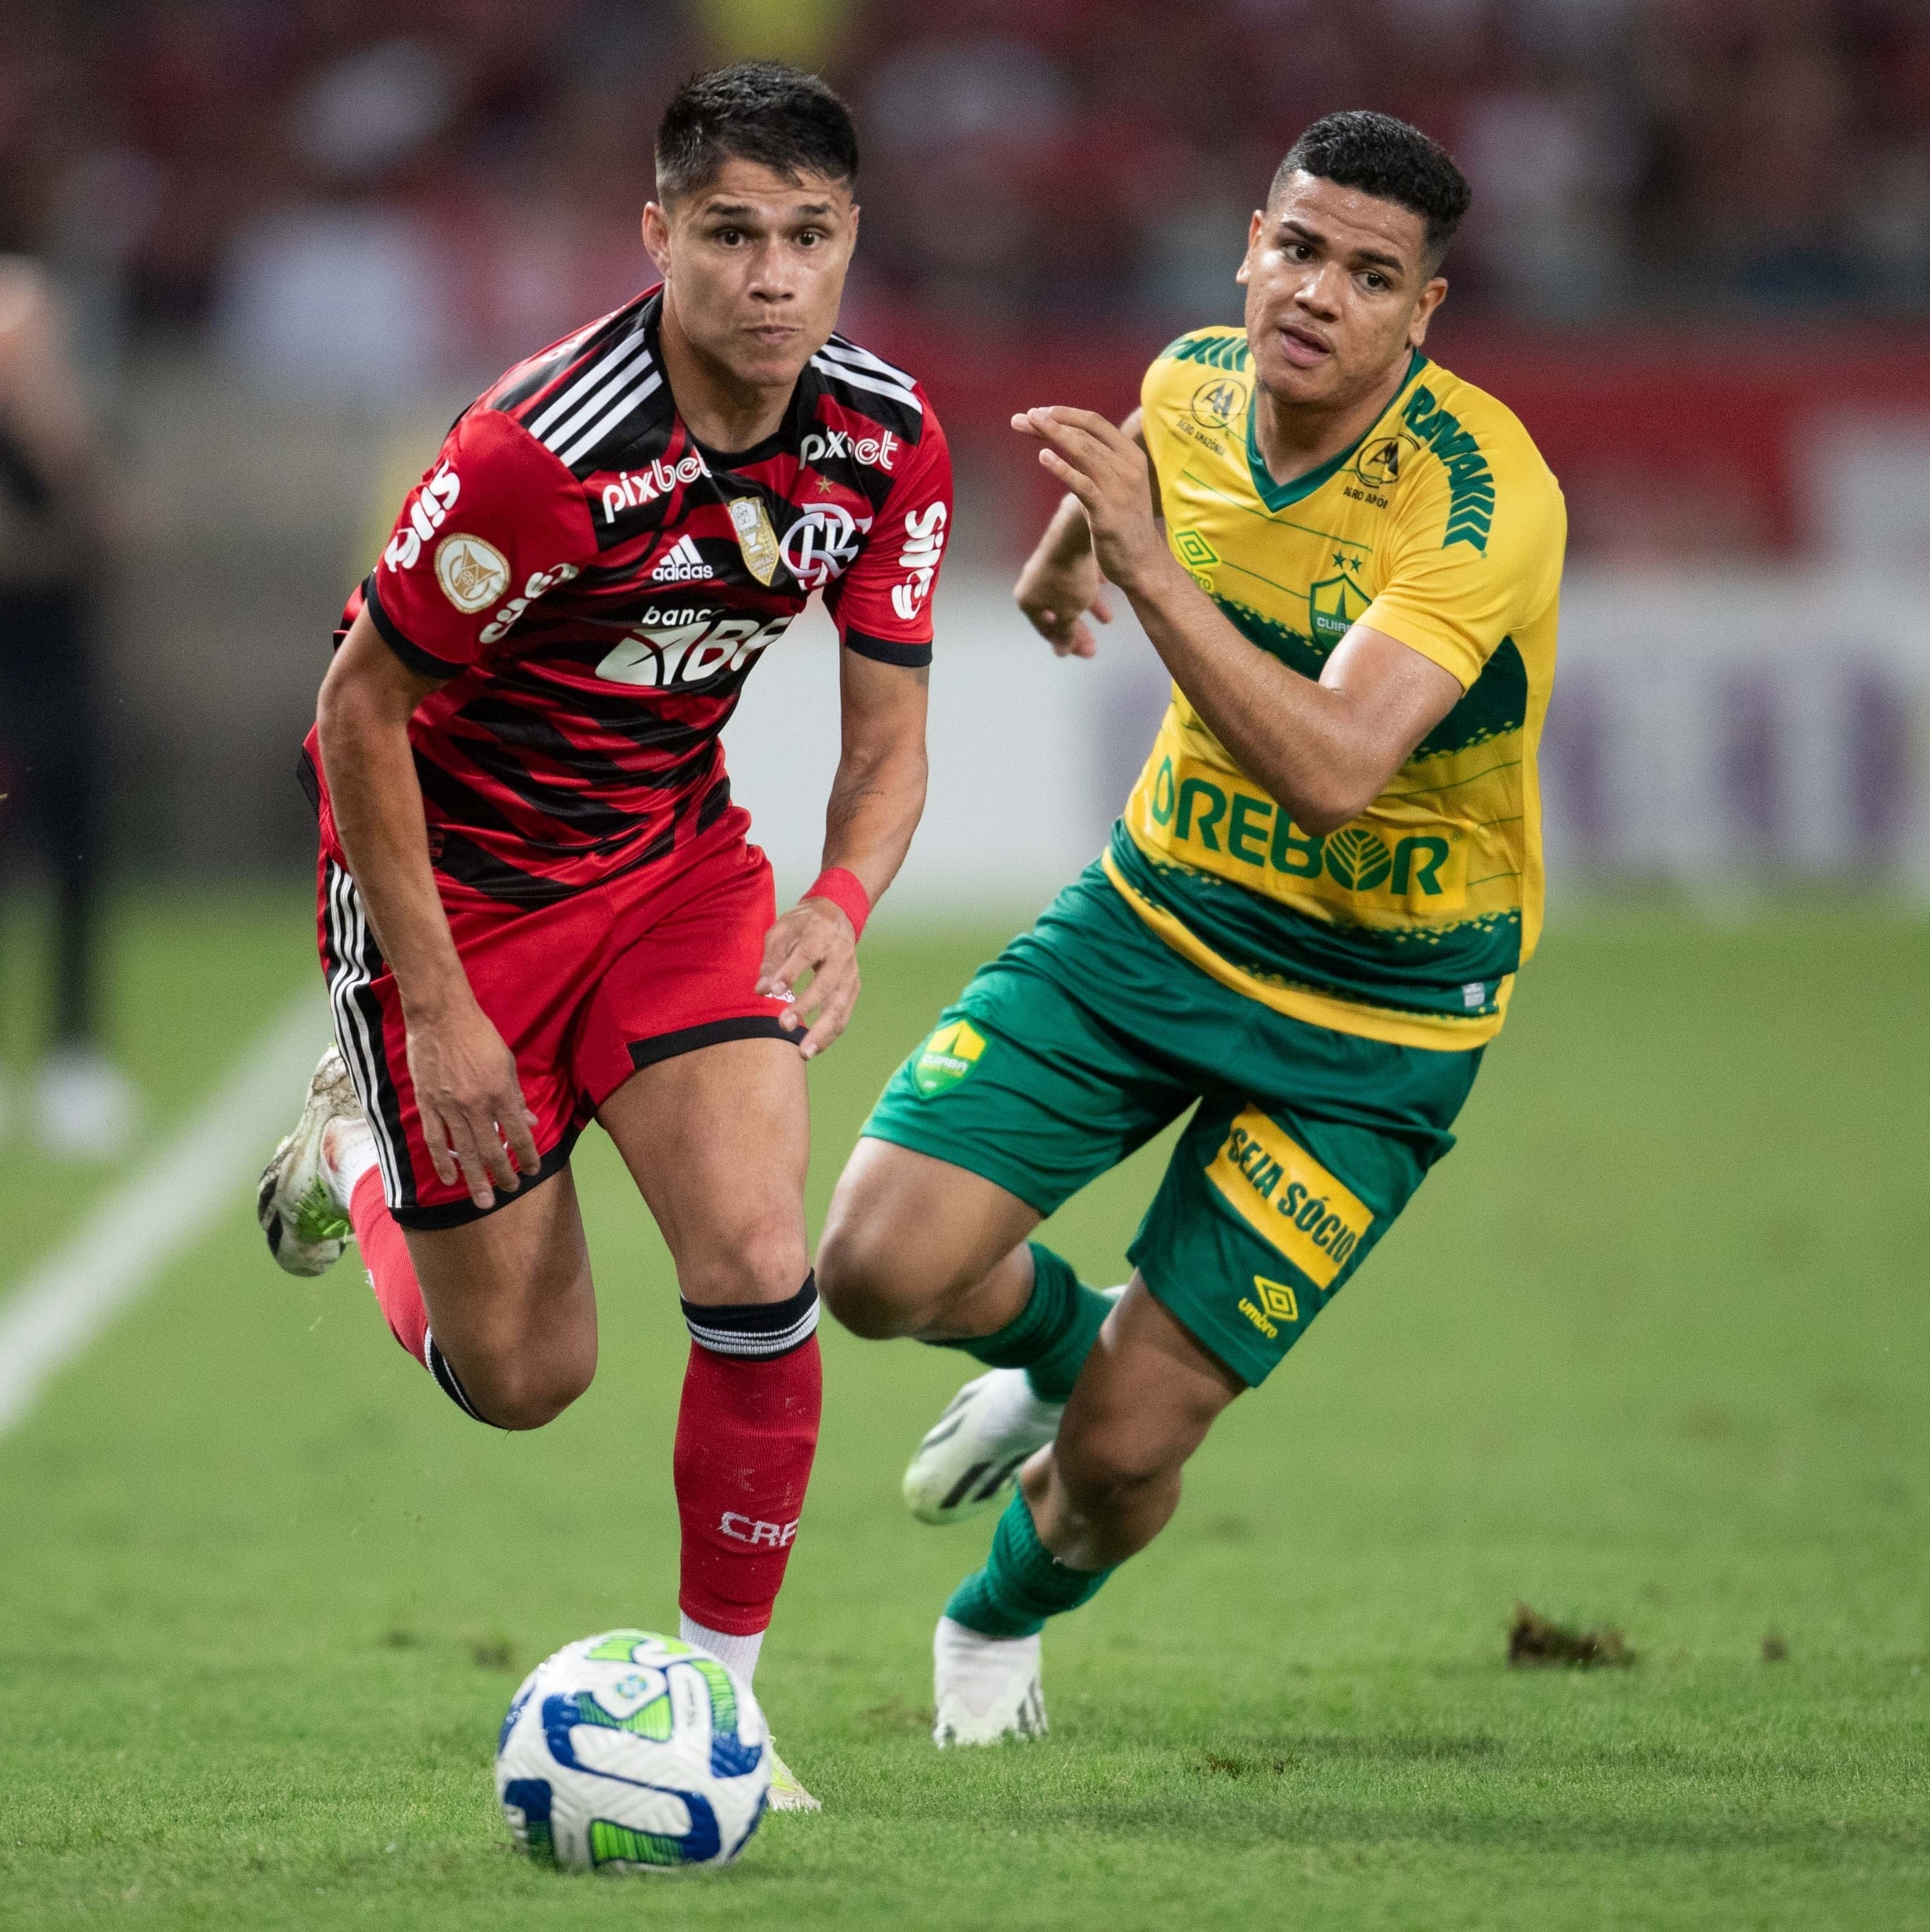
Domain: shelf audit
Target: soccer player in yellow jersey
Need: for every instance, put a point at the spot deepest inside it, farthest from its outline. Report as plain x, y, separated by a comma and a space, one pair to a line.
1305, 928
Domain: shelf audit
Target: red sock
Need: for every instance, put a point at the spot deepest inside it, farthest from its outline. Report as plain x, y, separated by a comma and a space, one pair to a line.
385, 1253
745, 1435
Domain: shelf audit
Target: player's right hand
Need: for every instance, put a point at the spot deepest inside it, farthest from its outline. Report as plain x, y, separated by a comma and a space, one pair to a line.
474, 1117
1058, 594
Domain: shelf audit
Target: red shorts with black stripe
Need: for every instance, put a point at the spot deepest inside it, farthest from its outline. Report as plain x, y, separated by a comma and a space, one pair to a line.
585, 992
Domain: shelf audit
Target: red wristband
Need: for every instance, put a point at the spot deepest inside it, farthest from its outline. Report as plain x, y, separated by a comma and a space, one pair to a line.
843, 889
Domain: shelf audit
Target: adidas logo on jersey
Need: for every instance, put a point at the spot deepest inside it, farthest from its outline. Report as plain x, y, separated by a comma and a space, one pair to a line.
684, 565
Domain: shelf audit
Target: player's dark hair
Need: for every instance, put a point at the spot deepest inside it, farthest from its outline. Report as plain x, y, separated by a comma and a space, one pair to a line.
761, 111
1390, 160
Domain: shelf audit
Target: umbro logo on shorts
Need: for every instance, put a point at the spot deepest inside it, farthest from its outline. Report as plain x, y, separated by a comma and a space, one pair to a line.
683, 565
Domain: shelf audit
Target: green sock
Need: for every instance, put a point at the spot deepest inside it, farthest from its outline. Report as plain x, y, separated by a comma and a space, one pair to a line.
1022, 1583
1053, 1334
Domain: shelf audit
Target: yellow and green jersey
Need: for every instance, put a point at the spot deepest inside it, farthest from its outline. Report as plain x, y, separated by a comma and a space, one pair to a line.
1443, 529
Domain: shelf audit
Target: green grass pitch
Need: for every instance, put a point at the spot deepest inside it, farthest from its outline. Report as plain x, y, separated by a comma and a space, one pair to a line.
1648, 1351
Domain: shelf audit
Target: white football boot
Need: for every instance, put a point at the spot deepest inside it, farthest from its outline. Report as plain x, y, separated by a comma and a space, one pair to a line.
985, 1689
972, 1454
787, 1790
303, 1201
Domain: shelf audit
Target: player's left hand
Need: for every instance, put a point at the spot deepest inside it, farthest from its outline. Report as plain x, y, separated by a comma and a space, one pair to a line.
1109, 474
814, 936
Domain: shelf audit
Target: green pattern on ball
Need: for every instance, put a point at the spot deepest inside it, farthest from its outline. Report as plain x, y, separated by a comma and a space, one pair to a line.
723, 1695
611, 1844
621, 1647
655, 1720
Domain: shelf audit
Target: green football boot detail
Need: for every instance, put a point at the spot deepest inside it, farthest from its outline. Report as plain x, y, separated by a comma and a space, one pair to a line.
301, 1204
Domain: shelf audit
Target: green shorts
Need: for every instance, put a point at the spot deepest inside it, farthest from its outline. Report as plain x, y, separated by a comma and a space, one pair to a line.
1087, 1035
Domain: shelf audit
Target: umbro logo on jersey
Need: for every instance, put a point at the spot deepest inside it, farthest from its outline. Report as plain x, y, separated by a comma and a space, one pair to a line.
684, 565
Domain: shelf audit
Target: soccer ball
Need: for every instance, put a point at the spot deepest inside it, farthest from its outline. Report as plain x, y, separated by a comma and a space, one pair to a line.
631, 1752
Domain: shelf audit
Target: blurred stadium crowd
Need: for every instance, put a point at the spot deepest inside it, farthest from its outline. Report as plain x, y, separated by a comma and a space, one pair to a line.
290, 238
461, 168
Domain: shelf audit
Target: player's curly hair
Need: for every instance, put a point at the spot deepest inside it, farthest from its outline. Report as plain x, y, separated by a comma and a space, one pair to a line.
762, 111
1390, 160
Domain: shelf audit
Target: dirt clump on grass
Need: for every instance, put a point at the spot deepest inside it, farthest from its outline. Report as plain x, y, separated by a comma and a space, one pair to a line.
1536, 1643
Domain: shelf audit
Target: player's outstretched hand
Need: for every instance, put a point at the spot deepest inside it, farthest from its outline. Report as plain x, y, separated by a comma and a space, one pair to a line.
1110, 474
474, 1116
814, 936
1058, 593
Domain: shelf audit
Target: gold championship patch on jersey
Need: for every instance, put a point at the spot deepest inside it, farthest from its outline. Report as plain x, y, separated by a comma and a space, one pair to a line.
1275, 1186
756, 537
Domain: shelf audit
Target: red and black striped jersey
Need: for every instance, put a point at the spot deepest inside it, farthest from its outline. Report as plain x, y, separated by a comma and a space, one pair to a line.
595, 585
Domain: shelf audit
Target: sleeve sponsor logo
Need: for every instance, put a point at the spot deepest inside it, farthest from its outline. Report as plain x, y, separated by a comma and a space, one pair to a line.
1471, 483
925, 542
427, 511
540, 583
681, 648
1281, 1192
472, 573
837, 446
821, 545
633, 490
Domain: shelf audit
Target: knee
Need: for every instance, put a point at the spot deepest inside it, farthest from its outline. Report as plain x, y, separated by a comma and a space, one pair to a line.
526, 1395
861, 1278
1105, 1466
755, 1264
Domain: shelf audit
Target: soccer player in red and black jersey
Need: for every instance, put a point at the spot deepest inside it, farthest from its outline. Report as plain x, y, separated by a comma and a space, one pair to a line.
538, 904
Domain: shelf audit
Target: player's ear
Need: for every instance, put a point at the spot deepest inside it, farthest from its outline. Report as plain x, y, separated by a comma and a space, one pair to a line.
1245, 272
656, 235
1431, 298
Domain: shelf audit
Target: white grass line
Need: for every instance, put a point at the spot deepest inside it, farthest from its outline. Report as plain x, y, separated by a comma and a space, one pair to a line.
130, 1238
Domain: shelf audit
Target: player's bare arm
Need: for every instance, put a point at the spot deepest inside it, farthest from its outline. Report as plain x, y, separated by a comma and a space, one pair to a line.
1323, 750
471, 1102
876, 800
1061, 585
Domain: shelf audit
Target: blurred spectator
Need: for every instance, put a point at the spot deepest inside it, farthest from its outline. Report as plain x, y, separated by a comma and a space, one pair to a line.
373, 196
51, 773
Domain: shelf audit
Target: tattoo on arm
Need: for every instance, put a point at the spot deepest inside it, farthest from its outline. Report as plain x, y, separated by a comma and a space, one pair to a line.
846, 800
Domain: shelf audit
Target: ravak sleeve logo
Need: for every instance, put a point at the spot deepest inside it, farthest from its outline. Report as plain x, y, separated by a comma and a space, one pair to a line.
1471, 483
1281, 1192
